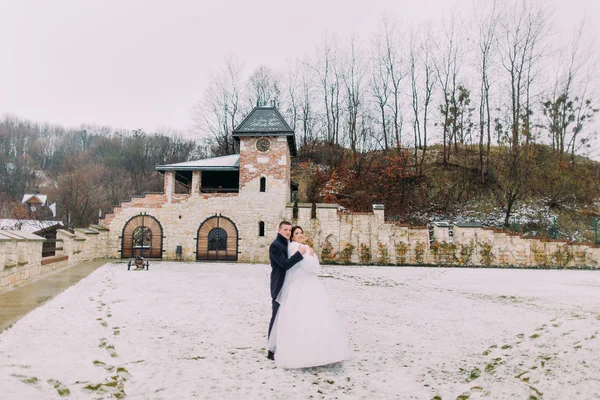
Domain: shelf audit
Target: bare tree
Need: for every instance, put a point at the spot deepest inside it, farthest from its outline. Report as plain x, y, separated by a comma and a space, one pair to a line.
381, 88
327, 68
422, 85
218, 114
353, 77
308, 116
264, 88
522, 47
570, 107
396, 71
487, 25
448, 63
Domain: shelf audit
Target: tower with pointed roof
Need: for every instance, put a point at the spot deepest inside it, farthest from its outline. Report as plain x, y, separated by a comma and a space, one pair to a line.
267, 144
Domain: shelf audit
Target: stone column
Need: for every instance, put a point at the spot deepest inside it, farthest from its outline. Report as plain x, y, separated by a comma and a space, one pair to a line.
196, 182
379, 211
169, 187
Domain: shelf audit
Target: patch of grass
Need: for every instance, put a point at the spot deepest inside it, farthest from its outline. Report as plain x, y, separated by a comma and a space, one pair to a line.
539, 394
534, 336
475, 373
463, 397
93, 387
30, 380
99, 363
329, 381
437, 398
62, 390
506, 346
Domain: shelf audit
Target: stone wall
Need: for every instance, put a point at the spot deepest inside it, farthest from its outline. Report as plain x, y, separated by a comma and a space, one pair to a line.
342, 237
21, 259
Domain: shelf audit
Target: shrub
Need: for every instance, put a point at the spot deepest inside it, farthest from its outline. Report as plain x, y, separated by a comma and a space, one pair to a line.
419, 252
466, 252
384, 258
365, 254
327, 252
401, 252
486, 253
346, 253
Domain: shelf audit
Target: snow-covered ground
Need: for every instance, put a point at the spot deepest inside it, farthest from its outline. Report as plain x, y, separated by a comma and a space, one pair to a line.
193, 330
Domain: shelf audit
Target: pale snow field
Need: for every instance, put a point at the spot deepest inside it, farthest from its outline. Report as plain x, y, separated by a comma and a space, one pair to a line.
194, 330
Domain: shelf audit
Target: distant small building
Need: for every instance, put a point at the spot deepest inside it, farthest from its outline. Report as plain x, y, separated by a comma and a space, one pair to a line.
36, 202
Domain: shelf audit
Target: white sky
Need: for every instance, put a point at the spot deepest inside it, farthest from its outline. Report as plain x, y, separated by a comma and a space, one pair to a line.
143, 64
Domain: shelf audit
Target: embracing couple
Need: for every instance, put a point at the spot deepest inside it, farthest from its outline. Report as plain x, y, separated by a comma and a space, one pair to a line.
305, 330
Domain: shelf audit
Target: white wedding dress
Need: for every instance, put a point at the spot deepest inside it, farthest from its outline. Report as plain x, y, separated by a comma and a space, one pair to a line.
307, 331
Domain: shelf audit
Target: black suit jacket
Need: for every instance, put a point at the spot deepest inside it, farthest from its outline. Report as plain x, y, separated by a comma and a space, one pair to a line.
280, 263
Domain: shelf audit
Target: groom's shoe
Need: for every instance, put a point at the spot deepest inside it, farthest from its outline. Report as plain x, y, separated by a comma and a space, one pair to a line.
271, 355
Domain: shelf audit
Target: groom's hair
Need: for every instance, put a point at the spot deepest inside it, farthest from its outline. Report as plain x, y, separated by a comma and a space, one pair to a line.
282, 223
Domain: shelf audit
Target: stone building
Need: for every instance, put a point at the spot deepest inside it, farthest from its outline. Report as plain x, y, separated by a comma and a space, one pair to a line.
224, 208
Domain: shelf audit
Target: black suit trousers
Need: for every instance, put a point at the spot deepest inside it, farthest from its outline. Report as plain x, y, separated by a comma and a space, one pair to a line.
275, 308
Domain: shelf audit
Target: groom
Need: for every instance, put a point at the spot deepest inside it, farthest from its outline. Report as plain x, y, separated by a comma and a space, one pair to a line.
280, 263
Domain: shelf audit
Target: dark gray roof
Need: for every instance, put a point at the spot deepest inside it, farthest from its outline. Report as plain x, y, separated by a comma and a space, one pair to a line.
266, 121
263, 120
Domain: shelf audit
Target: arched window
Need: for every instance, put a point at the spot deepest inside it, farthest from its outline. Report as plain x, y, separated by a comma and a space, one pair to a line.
261, 228
217, 239
142, 238
263, 184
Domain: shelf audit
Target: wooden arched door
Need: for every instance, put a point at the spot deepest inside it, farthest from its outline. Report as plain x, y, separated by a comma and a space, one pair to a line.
142, 236
217, 240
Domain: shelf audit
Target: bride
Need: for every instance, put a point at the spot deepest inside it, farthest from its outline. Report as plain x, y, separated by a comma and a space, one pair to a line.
307, 331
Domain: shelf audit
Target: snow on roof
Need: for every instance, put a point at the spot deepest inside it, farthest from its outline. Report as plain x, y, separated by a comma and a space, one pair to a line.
26, 225
41, 197
225, 163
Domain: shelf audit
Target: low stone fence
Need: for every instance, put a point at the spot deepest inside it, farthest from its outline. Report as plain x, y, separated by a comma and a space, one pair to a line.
21, 259
343, 237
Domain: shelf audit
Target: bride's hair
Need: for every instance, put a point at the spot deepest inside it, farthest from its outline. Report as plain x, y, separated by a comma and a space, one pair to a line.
294, 228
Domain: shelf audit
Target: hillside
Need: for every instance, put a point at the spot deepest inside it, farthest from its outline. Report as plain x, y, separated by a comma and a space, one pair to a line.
551, 188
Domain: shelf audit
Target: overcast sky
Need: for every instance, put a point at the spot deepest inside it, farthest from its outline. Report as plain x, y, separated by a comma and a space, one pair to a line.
143, 64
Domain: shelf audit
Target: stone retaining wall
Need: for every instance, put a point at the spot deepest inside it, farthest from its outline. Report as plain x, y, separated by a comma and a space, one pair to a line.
343, 237
21, 259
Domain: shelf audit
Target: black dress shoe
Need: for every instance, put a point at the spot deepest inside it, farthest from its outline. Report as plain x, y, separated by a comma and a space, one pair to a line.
271, 355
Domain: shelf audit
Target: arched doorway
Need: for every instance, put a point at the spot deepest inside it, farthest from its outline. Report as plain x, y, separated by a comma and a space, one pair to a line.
217, 240
142, 236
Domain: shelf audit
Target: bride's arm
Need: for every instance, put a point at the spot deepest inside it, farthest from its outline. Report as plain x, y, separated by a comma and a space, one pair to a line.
293, 247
